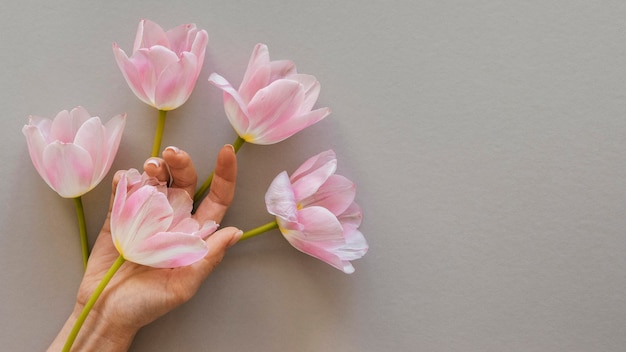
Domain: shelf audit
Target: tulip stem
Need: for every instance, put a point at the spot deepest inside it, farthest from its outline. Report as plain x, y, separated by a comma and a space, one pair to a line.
158, 135
82, 227
90, 303
207, 183
259, 230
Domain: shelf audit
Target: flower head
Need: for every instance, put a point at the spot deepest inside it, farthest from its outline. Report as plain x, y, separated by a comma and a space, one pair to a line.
152, 224
74, 151
273, 102
164, 66
316, 212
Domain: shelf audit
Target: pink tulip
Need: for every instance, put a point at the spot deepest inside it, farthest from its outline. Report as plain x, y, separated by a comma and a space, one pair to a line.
74, 151
152, 224
164, 66
273, 102
316, 212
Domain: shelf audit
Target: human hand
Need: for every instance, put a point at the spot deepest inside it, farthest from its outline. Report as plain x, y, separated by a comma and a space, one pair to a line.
137, 294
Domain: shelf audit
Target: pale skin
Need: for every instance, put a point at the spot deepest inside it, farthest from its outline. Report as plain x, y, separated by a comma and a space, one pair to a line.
137, 295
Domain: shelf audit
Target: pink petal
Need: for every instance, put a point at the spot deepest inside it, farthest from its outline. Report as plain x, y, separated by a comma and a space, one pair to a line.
198, 48
146, 212
180, 37
182, 204
280, 200
176, 83
236, 108
64, 126
351, 216
257, 73
313, 174
90, 137
336, 195
321, 160
113, 136
168, 250
149, 34
281, 69
314, 250
36, 145
311, 90
133, 72
69, 169
292, 126
319, 224
271, 106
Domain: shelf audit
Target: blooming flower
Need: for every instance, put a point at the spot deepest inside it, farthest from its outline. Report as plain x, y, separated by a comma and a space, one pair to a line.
316, 212
164, 66
74, 151
273, 102
152, 224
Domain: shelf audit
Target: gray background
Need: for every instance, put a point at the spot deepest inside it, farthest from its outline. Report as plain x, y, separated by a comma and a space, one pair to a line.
486, 138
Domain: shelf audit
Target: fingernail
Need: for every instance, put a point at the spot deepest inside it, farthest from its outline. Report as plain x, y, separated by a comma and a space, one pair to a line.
153, 161
173, 148
236, 238
230, 146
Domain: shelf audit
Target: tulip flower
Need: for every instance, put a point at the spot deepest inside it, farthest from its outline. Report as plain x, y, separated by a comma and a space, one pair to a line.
73, 153
273, 103
152, 224
163, 68
315, 211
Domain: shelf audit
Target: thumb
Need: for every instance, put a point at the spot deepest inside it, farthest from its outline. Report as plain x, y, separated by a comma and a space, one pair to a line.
218, 242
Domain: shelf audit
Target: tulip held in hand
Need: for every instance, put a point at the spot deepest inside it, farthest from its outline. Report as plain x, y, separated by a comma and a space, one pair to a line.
152, 224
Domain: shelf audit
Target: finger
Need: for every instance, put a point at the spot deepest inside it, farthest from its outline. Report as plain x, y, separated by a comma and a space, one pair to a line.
217, 243
182, 170
215, 204
156, 167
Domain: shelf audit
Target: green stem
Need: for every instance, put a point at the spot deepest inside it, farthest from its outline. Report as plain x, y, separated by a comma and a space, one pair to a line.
238, 143
259, 230
207, 183
82, 227
158, 135
90, 303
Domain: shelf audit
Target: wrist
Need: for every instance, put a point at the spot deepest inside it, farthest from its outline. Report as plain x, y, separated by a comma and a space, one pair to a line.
96, 334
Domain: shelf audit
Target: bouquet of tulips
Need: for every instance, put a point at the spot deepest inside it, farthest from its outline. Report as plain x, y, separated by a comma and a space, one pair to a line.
150, 223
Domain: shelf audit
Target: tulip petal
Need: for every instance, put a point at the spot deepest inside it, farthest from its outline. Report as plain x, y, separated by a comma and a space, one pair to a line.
234, 106
313, 174
149, 34
281, 69
319, 224
280, 200
179, 38
133, 72
90, 136
146, 212
69, 169
181, 203
65, 125
36, 145
336, 195
271, 106
169, 250
292, 126
113, 131
311, 90
321, 253
176, 82
257, 73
